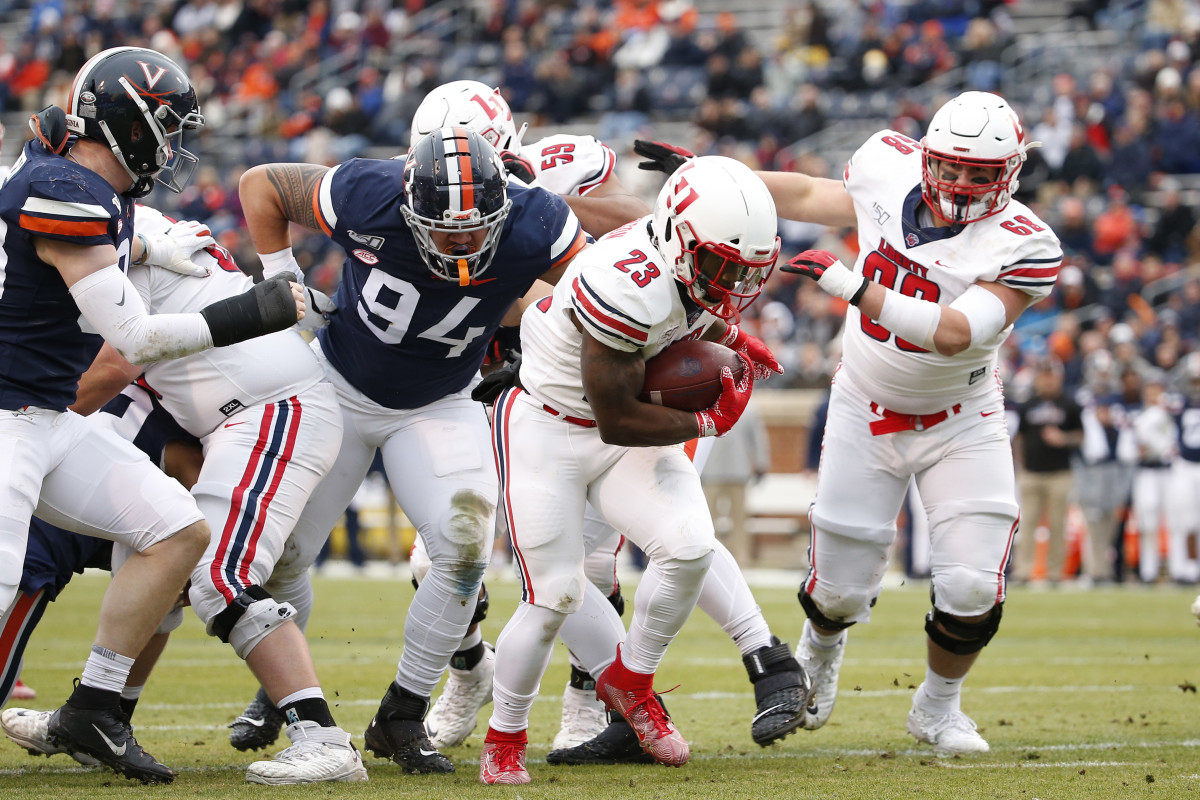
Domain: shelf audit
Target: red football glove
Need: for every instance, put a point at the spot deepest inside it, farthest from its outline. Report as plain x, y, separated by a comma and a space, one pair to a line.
724, 414
753, 348
663, 157
830, 274
520, 167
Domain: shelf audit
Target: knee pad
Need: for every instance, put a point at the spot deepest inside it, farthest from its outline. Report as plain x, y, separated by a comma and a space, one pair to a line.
481, 605
962, 638
818, 618
248, 620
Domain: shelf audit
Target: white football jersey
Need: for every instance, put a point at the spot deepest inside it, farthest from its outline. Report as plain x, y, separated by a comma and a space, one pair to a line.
624, 296
1013, 248
570, 165
202, 389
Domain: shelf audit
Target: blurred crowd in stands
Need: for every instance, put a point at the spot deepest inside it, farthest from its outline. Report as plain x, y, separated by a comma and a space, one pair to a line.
325, 80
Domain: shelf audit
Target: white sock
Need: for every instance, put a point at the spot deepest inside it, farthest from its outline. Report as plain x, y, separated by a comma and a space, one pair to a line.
665, 598
106, 670
311, 693
132, 692
726, 597
471, 639
435, 625
523, 652
824, 641
941, 695
593, 632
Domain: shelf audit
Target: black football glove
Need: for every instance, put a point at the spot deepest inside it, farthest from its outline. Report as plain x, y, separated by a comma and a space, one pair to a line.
495, 382
50, 127
504, 346
517, 166
663, 157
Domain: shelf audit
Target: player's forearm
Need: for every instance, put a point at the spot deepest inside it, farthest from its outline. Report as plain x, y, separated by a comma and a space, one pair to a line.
808, 199
103, 380
111, 305
637, 424
600, 214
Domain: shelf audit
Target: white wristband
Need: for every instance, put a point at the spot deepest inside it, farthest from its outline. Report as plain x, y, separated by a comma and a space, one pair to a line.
985, 312
910, 318
279, 262
840, 281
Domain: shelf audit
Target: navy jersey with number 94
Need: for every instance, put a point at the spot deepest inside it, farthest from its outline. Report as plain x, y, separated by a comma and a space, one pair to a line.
402, 336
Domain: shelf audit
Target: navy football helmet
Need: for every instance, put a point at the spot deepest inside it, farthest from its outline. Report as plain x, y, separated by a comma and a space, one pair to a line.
138, 102
454, 182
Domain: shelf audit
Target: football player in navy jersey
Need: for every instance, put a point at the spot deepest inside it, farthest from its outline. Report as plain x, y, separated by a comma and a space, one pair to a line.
53, 556
438, 249
68, 238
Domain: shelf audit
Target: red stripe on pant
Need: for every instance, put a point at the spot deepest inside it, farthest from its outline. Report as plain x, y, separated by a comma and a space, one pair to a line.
14, 625
215, 569
269, 495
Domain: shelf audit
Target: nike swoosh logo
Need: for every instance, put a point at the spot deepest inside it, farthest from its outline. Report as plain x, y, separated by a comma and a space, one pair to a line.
230, 425
762, 714
258, 723
940, 264
986, 413
117, 751
481, 281
121, 302
425, 752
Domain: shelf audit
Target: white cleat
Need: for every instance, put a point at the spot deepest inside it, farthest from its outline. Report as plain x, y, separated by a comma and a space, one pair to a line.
317, 755
952, 734
456, 711
29, 729
583, 718
822, 666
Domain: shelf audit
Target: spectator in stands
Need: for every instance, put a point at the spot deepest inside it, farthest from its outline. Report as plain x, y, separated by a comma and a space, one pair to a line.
1081, 163
1129, 163
1048, 436
1116, 227
1176, 141
1074, 232
1173, 226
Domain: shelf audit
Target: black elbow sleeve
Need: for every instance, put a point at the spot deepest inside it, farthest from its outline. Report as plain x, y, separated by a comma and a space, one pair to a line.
266, 308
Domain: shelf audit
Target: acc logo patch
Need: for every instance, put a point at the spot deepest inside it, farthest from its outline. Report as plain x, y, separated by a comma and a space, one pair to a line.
366, 256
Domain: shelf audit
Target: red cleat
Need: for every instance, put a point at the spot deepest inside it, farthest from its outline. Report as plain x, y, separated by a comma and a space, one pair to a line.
22, 692
632, 694
502, 759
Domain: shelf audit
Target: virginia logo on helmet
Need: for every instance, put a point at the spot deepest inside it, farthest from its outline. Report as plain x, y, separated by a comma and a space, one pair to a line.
138, 103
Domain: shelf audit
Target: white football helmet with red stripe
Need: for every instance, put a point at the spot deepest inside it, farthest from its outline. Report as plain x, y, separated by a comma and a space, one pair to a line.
454, 182
974, 129
715, 224
469, 104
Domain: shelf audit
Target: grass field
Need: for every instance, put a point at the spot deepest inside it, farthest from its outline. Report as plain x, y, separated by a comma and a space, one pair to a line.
1081, 695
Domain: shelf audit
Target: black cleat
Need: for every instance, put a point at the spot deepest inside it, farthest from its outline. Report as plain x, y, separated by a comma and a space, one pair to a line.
105, 735
781, 690
258, 726
616, 744
398, 732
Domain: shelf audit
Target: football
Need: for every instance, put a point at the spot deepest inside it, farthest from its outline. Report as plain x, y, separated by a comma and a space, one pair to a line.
687, 375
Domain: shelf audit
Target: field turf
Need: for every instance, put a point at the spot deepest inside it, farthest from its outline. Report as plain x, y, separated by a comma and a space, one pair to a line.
1081, 695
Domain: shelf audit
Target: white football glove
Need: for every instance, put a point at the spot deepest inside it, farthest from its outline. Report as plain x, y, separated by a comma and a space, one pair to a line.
320, 307
172, 249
